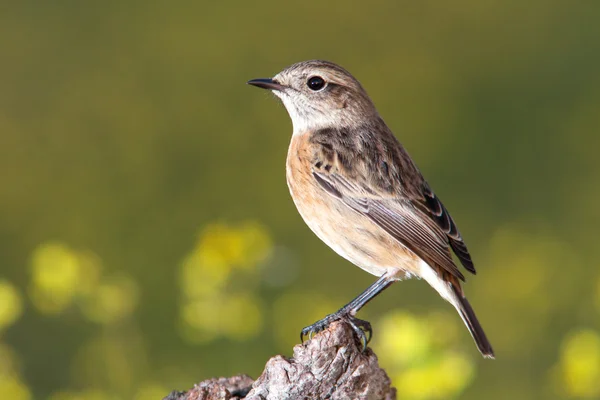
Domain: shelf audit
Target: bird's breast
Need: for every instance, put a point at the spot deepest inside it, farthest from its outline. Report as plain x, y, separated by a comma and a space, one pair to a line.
347, 232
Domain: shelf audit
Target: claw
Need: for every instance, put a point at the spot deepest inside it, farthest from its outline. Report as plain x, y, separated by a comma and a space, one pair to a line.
361, 328
311, 330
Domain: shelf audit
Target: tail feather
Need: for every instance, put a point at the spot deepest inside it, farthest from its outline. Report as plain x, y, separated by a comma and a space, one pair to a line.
449, 288
468, 316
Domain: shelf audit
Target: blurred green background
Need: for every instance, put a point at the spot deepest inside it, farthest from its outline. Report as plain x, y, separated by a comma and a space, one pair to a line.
147, 237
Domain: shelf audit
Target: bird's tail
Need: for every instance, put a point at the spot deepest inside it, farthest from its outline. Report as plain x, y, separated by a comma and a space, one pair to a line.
468, 316
449, 288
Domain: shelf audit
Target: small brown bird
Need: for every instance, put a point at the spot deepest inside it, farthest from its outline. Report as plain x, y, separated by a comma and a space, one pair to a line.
359, 191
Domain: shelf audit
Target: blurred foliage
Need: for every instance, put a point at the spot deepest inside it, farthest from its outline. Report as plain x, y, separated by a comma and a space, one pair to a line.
11, 383
148, 237
11, 305
218, 280
420, 356
580, 364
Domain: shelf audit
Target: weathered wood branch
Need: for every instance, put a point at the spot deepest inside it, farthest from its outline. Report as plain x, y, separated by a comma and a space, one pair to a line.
330, 366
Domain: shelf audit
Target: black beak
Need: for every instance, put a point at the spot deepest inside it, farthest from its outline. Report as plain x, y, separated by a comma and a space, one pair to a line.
266, 84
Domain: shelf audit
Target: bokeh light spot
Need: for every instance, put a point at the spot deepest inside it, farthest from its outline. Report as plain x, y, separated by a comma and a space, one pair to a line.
218, 278
419, 354
11, 304
55, 275
203, 274
241, 316
405, 336
200, 319
13, 388
111, 300
580, 364
11, 385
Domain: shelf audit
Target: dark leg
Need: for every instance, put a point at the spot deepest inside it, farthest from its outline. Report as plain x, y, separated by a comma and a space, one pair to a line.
349, 311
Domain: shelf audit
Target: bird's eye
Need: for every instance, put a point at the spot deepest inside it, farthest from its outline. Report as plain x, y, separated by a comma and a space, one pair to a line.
315, 83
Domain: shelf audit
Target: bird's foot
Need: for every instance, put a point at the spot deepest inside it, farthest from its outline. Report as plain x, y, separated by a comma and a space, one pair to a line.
361, 328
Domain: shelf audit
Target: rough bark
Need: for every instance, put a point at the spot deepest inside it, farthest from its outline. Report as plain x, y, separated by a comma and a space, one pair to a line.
330, 366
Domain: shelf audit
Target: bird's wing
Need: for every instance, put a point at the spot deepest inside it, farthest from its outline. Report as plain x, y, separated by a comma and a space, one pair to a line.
432, 206
398, 217
382, 183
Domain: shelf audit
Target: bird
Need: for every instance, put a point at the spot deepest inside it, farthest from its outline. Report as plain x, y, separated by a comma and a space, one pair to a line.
359, 191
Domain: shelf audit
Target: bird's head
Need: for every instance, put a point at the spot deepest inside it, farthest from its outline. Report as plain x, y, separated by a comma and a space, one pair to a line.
319, 94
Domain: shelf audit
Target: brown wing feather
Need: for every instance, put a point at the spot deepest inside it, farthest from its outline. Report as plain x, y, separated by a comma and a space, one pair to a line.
374, 175
398, 218
433, 206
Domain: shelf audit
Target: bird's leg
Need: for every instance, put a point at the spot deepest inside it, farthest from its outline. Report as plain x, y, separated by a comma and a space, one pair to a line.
348, 312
